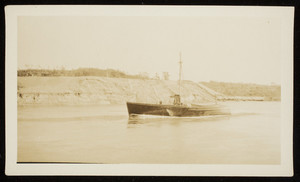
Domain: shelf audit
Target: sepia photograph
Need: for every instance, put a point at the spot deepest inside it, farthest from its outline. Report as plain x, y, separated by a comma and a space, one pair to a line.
151, 86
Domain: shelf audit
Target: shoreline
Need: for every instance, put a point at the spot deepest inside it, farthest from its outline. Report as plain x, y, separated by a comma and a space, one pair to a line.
93, 104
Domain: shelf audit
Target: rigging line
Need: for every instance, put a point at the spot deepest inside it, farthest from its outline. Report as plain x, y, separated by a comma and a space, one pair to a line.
180, 70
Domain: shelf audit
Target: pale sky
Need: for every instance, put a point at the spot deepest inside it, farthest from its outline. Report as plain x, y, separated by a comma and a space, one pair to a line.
228, 49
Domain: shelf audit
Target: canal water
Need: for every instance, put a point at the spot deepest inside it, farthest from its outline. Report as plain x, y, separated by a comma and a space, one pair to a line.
105, 134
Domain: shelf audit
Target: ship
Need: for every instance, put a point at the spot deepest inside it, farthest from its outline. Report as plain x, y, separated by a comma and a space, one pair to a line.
177, 109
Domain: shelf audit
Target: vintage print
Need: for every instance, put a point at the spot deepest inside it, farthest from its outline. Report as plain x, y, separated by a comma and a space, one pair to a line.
149, 89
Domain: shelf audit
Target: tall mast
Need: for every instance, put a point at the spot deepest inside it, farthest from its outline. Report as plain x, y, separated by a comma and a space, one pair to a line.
180, 70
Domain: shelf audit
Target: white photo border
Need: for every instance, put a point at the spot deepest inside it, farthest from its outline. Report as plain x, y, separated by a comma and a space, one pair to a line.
286, 14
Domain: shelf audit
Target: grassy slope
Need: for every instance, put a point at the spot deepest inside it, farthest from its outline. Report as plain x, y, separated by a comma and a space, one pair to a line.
272, 92
89, 90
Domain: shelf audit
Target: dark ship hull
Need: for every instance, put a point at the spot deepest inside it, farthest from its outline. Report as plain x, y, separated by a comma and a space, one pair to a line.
175, 110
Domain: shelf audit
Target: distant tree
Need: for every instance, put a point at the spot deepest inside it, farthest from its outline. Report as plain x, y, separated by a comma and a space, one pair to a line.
156, 76
166, 75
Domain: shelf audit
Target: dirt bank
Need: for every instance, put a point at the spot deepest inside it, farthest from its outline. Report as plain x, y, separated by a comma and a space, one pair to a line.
102, 90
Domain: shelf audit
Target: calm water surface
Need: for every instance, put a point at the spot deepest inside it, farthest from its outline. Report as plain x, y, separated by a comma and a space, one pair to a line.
104, 134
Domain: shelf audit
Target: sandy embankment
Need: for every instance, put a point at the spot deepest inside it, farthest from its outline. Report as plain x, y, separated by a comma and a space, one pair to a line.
102, 90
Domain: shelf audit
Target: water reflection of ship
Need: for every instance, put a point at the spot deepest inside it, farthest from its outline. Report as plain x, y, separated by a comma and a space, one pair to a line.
177, 109
171, 120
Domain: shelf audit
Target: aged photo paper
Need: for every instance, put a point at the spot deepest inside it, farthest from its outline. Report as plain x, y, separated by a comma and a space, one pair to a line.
149, 90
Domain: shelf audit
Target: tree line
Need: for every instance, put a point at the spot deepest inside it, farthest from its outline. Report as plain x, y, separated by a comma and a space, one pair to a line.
88, 72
